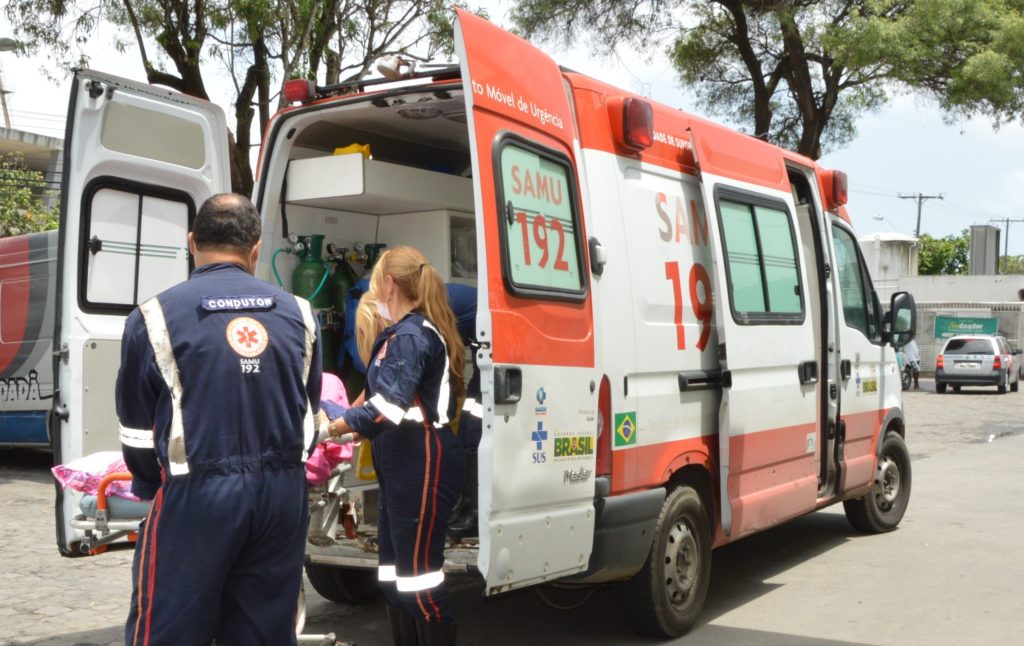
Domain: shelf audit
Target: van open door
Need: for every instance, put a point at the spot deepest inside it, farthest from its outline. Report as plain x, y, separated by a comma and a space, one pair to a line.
535, 319
138, 162
768, 419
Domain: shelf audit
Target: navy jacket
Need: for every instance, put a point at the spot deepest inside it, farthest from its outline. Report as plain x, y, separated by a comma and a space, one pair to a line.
218, 374
409, 360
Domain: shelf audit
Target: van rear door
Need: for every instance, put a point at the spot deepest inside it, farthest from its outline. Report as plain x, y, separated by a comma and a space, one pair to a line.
138, 162
535, 317
768, 420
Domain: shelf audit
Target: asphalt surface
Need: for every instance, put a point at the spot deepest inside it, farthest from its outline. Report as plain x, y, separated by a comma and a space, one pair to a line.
951, 574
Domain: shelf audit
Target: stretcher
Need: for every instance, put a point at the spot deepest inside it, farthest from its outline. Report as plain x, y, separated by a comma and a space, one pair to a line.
106, 519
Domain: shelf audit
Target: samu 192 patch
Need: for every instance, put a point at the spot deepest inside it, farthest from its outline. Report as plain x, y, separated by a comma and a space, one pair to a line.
247, 337
625, 429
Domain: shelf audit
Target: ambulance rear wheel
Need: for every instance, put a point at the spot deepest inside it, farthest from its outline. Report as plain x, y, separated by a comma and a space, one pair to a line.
666, 596
883, 508
343, 585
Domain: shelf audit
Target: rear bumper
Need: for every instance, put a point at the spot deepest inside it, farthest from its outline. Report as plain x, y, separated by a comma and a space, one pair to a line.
993, 378
623, 532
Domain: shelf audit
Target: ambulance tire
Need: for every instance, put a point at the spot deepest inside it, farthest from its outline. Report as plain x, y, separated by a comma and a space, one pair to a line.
343, 585
667, 595
882, 509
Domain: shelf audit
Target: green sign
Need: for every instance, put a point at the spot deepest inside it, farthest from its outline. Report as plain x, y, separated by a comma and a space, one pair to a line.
947, 326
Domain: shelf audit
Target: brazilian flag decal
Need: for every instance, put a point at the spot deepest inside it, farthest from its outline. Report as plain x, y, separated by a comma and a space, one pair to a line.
625, 429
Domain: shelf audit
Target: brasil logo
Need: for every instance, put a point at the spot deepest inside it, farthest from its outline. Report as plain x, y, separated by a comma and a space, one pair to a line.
625, 429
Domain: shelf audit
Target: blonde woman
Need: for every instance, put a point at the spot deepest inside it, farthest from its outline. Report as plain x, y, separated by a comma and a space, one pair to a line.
413, 376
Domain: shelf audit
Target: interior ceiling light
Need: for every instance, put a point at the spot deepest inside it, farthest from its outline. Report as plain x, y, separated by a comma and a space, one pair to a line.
419, 113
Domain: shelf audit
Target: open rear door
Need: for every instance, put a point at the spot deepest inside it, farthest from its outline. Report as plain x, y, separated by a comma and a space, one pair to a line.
535, 317
768, 419
138, 162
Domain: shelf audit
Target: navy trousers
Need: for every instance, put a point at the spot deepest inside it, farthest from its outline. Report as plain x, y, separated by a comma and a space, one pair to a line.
420, 473
220, 557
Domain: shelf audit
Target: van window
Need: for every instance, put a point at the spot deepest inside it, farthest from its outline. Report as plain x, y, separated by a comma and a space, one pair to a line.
541, 246
135, 245
153, 135
854, 285
760, 248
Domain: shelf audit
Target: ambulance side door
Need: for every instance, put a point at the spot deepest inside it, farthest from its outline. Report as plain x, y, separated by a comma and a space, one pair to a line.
768, 417
535, 318
138, 162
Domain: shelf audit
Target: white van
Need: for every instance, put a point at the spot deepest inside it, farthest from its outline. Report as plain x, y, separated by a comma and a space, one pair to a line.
679, 341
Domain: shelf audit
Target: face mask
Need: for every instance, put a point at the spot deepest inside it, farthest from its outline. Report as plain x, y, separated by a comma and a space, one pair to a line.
382, 309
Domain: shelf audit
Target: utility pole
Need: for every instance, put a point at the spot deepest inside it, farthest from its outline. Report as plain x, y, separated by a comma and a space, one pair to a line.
921, 199
1006, 242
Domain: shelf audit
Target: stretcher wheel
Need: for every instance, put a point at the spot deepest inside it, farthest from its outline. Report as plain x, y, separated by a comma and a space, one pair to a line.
343, 585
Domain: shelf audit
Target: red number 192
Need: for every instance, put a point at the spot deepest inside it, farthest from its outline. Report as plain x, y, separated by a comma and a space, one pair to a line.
702, 308
540, 237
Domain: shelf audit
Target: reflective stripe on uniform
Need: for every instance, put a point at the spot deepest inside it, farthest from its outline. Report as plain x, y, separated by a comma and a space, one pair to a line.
163, 352
137, 438
421, 582
386, 573
444, 394
393, 412
308, 423
473, 407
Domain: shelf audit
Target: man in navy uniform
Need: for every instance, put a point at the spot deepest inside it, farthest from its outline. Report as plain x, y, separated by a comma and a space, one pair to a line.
217, 393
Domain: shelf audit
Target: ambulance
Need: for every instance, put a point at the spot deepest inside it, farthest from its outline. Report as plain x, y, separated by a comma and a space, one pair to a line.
678, 339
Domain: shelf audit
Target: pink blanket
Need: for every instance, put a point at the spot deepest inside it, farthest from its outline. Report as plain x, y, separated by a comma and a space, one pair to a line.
84, 474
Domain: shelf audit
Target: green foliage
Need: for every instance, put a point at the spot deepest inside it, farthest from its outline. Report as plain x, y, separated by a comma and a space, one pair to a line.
1011, 265
943, 256
796, 73
22, 191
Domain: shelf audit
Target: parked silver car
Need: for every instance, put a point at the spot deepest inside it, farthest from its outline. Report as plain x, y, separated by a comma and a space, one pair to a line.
977, 360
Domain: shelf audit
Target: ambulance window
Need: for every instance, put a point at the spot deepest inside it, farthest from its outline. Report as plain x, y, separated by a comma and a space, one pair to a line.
761, 257
153, 135
540, 237
134, 244
858, 308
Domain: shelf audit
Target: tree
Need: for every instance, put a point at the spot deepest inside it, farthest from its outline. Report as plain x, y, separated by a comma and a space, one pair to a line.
258, 41
794, 72
1011, 265
968, 54
943, 256
22, 198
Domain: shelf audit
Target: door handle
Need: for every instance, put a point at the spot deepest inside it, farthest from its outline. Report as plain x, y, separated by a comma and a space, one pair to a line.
845, 369
508, 385
808, 372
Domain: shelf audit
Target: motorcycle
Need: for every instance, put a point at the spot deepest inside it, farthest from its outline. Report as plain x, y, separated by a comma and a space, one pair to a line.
905, 367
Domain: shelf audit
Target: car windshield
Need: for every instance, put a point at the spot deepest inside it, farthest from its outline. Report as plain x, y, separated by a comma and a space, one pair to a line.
969, 346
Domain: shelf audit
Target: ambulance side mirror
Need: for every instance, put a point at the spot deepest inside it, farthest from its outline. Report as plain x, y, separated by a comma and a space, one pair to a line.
903, 318
598, 256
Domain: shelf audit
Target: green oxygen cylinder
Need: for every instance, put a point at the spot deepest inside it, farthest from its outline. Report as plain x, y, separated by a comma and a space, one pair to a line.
342, 281
308, 281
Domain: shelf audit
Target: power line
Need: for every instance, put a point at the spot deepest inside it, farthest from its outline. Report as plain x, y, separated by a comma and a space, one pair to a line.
921, 199
1006, 243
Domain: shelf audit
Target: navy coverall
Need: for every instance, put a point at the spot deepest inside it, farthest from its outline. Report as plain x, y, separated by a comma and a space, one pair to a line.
419, 463
218, 387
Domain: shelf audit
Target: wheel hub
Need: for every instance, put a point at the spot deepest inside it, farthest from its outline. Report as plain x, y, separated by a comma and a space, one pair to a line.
681, 564
887, 484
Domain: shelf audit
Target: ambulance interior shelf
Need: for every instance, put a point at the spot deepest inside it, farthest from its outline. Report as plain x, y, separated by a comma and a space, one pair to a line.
355, 184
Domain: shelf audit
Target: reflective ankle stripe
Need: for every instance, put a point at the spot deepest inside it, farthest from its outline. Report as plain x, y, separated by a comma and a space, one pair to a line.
308, 424
421, 582
386, 573
160, 340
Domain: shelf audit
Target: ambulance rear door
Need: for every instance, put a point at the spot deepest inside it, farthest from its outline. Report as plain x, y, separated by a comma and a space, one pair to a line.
768, 426
535, 317
138, 162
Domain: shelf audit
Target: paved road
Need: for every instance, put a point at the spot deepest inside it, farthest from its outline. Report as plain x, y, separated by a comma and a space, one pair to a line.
950, 575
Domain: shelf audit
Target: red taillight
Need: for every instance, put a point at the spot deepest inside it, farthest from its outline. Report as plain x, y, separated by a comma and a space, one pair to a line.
299, 90
604, 428
638, 123
997, 363
839, 187
938, 361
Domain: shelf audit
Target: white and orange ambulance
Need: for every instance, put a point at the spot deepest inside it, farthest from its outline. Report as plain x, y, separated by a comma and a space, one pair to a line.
679, 341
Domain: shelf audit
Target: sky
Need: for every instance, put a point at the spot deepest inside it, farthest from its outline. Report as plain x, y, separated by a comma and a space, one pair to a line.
904, 149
